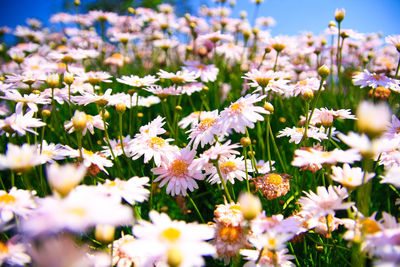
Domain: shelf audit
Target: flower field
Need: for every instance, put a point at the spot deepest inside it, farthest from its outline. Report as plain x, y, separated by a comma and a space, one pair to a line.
149, 139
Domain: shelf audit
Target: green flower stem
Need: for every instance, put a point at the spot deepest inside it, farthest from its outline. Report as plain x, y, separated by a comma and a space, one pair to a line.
253, 161
314, 104
195, 207
120, 133
216, 164
276, 150
364, 191
397, 69
245, 166
338, 59
276, 61
109, 144
267, 139
304, 138
79, 140
165, 111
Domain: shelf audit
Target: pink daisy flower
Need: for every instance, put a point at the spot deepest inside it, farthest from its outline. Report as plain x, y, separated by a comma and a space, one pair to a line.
176, 172
242, 113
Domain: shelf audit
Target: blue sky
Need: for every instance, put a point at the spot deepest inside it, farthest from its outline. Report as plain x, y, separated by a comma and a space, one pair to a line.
292, 16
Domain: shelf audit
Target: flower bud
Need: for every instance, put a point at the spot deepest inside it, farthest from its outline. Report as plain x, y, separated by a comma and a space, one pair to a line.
339, 14
120, 108
250, 206
104, 233
245, 141
307, 95
68, 78
174, 257
105, 114
46, 113
131, 10
373, 120
178, 108
269, 107
53, 80
79, 120
278, 47
323, 71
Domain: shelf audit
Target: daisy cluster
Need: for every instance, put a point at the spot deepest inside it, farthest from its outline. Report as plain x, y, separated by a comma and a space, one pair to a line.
148, 139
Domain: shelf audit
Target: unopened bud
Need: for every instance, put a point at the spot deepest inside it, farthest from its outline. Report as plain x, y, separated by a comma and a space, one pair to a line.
308, 95
140, 115
104, 233
269, 107
278, 47
245, 141
174, 257
68, 78
131, 10
77, 2
53, 80
339, 14
178, 108
323, 71
105, 114
120, 108
79, 120
250, 206
46, 113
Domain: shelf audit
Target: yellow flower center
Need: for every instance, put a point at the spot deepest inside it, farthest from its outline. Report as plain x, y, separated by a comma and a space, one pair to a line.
201, 67
300, 130
206, 123
171, 234
3, 248
237, 107
229, 233
272, 242
178, 168
377, 77
235, 207
274, 179
77, 211
228, 166
177, 79
156, 141
88, 152
262, 81
6, 198
369, 226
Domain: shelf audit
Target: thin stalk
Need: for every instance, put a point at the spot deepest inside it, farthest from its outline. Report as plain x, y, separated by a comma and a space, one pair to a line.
195, 207
120, 133
245, 166
79, 139
276, 61
216, 164
338, 59
108, 142
253, 161
277, 150
397, 69
267, 139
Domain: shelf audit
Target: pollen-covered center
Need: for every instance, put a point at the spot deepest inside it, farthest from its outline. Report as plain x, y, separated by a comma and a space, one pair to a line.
177, 79
156, 141
201, 67
274, 179
262, 81
171, 234
369, 226
3, 248
206, 123
178, 168
6, 198
299, 130
237, 107
229, 233
228, 167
